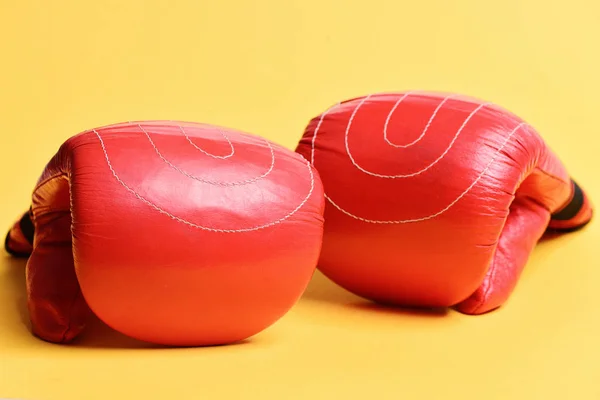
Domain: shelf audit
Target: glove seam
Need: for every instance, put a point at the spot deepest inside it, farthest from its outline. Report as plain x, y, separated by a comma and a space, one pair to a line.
49, 179
488, 288
551, 175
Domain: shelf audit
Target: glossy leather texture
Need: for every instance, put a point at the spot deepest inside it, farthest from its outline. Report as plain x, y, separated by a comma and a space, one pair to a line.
170, 232
435, 199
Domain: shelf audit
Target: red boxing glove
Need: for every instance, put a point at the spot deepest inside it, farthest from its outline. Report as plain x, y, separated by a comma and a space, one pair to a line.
177, 234
435, 200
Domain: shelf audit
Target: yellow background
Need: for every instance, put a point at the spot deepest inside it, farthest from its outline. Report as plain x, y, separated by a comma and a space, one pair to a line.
267, 66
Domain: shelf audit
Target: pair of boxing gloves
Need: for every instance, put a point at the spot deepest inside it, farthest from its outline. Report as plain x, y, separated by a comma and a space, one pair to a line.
187, 234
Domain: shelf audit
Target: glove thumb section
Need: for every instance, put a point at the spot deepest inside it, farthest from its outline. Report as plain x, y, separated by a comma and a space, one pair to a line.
56, 305
525, 225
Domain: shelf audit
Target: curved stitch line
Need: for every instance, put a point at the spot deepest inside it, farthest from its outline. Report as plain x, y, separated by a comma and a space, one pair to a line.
481, 174
458, 132
193, 225
322, 117
417, 140
206, 152
219, 183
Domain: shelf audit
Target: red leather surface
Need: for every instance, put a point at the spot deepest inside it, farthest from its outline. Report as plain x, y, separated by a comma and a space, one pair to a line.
173, 233
433, 199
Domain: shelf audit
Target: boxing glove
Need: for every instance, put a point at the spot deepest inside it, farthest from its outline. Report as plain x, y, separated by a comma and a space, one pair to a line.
435, 200
173, 233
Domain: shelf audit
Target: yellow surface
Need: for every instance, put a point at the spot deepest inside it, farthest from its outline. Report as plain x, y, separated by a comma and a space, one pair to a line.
267, 67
